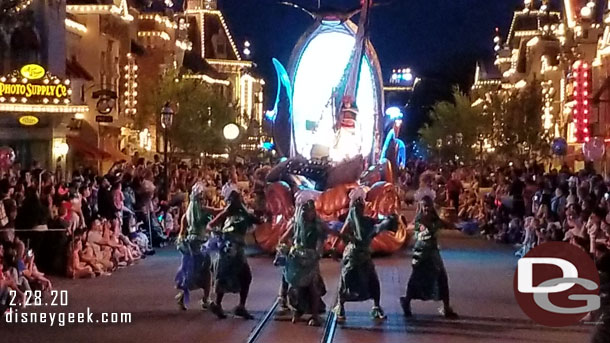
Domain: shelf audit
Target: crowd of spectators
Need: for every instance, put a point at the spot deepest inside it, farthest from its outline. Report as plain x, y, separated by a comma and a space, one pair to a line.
525, 206
91, 225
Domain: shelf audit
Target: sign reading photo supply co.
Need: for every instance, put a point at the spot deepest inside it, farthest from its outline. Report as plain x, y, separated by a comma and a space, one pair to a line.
33, 85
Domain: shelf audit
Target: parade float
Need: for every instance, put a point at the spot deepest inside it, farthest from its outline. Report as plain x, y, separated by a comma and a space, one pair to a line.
328, 121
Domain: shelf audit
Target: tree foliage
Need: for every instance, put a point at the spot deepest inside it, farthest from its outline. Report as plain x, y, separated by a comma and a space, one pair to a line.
201, 113
517, 121
521, 121
455, 127
509, 121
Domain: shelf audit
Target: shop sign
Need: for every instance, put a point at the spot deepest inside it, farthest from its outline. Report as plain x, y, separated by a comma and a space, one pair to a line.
32, 71
33, 85
103, 119
28, 120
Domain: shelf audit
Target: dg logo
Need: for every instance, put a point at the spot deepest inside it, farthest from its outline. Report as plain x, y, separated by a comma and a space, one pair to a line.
556, 284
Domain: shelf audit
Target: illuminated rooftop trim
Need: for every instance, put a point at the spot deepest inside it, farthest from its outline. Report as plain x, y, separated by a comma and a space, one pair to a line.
161, 34
122, 11
75, 26
224, 25
231, 63
207, 79
43, 108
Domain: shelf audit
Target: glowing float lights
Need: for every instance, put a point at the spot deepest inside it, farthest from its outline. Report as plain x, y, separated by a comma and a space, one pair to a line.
582, 80
394, 113
268, 146
318, 71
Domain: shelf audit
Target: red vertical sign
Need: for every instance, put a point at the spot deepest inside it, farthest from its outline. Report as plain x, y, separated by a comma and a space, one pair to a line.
581, 74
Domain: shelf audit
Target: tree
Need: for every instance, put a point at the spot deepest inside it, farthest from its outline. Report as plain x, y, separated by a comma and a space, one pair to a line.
455, 127
201, 114
520, 122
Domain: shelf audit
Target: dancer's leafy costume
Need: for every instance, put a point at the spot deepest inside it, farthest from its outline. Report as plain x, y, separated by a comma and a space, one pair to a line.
194, 271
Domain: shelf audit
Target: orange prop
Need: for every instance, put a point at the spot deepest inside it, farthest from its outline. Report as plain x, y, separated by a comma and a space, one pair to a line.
280, 207
334, 203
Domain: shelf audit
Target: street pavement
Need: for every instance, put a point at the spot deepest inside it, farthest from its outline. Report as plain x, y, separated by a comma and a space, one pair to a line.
480, 276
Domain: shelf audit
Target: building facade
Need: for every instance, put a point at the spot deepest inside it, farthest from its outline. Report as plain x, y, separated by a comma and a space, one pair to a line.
562, 53
107, 54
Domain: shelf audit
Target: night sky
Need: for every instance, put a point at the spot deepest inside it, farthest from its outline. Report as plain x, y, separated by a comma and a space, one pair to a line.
439, 39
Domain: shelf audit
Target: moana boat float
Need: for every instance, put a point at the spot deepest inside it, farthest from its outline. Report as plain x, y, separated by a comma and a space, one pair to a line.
328, 122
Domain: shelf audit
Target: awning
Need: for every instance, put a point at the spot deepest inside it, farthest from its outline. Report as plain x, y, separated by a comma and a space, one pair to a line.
85, 148
76, 70
114, 154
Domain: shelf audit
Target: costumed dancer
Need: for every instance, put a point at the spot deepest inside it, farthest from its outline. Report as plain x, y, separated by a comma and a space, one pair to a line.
231, 271
302, 271
194, 272
359, 280
348, 142
428, 279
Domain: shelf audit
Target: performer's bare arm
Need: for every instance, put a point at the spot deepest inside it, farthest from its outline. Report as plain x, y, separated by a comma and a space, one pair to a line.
219, 219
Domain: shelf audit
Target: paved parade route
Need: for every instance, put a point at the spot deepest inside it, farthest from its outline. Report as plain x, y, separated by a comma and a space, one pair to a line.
480, 275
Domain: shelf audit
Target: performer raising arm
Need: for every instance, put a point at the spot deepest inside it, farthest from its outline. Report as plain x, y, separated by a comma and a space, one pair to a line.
231, 270
359, 281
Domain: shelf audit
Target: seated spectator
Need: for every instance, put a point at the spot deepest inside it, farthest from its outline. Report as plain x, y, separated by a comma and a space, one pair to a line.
121, 252
36, 279
14, 268
77, 268
98, 246
7, 284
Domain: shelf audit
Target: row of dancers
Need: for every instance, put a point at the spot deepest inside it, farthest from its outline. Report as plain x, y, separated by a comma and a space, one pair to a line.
212, 246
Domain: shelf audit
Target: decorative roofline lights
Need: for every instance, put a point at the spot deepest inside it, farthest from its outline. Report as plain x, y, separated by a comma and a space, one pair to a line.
161, 19
247, 94
75, 26
548, 93
230, 63
131, 85
207, 79
184, 45
122, 12
224, 25
526, 33
161, 34
43, 108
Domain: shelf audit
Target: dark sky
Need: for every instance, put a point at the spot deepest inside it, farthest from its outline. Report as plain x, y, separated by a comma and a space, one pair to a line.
436, 38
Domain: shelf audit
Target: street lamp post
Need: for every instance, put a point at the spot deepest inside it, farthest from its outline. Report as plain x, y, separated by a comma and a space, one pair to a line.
167, 117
